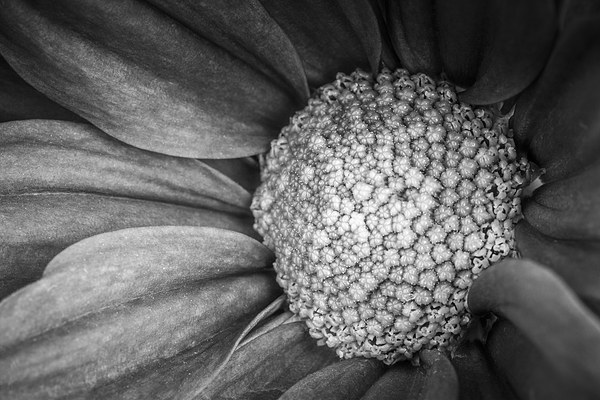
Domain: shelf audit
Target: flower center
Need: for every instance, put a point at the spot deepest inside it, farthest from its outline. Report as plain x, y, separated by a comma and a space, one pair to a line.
383, 200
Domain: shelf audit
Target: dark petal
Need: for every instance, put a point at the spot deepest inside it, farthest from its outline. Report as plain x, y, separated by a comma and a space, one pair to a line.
265, 367
558, 119
362, 17
19, 100
143, 78
517, 42
572, 11
528, 370
247, 31
568, 208
150, 311
388, 55
411, 26
244, 171
345, 380
435, 379
328, 38
478, 380
40, 156
576, 262
36, 227
460, 32
550, 316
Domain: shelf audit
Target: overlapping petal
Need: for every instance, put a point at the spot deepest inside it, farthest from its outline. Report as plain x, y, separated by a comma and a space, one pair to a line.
567, 208
461, 26
557, 119
246, 31
245, 171
345, 380
564, 332
495, 49
477, 377
42, 156
65, 181
411, 26
575, 261
330, 36
267, 366
19, 100
138, 312
142, 77
517, 41
435, 379
526, 368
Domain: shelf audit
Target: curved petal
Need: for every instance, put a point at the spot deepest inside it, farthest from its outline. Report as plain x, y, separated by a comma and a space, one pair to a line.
19, 100
327, 36
363, 19
568, 208
389, 58
435, 379
527, 370
572, 11
413, 35
345, 380
460, 33
576, 262
132, 319
478, 380
266, 366
517, 43
36, 227
143, 78
39, 156
557, 119
244, 171
102, 268
247, 31
548, 314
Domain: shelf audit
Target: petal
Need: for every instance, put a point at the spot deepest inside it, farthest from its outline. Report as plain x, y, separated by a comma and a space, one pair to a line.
460, 31
266, 366
345, 380
242, 31
526, 369
103, 267
19, 100
55, 156
143, 78
476, 375
568, 208
572, 11
576, 262
557, 119
115, 314
413, 35
36, 227
244, 171
517, 42
364, 21
328, 37
389, 58
434, 379
548, 314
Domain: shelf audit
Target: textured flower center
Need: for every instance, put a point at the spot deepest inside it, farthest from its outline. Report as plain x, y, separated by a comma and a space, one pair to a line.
383, 200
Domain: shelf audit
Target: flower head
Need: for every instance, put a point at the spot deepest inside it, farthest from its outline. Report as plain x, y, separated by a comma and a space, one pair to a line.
330, 204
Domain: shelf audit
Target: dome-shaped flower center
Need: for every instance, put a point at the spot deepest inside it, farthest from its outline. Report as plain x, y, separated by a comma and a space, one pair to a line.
383, 200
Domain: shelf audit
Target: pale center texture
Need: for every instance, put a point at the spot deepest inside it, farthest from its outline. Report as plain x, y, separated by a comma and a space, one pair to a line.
382, 200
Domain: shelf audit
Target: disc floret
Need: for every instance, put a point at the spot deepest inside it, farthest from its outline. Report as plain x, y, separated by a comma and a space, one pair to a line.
382, 200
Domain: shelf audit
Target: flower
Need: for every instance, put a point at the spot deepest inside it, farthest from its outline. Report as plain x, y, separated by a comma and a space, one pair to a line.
130, 266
